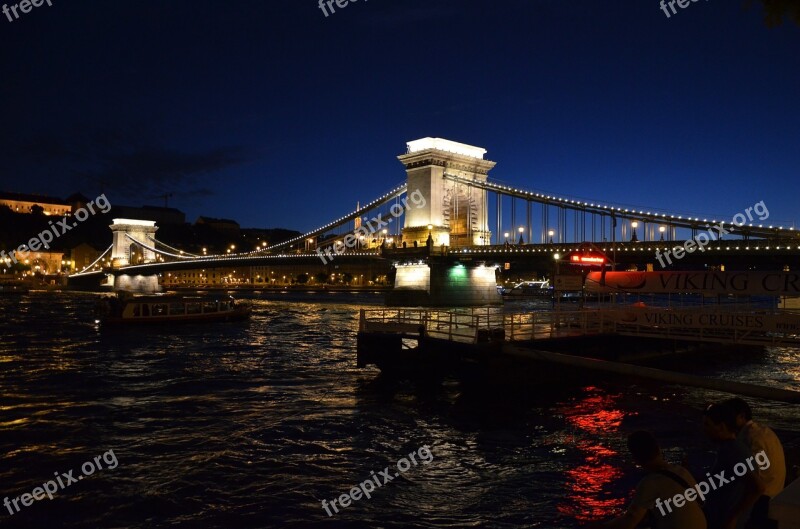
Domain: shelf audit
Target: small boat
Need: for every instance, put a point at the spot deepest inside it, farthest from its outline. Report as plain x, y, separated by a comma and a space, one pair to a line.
530, 289
136, 310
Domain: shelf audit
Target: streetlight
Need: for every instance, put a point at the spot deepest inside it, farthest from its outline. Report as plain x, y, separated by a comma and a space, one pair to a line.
521, 229
506, 236
634, 225
550, 234
661, 230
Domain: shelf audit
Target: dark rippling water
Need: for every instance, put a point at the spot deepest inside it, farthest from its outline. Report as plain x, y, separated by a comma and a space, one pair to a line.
251, 425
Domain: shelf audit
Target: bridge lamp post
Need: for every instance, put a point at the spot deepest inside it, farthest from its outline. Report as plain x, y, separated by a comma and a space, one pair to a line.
506, 236
661, 230
550, 234
521, 240
634, 225
361, 242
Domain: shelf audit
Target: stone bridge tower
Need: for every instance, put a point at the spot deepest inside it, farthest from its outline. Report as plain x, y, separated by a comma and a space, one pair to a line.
125, 252
455, 214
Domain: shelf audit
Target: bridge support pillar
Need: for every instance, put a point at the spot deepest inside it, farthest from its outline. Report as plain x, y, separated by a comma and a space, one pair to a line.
444, 284
140, 284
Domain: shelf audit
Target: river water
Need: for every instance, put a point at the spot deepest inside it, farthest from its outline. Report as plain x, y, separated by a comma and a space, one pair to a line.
253, 424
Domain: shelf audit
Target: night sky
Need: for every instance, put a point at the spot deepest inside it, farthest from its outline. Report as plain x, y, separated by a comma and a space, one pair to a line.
270, 113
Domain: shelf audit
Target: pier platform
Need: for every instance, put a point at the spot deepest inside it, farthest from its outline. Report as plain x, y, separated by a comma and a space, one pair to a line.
543, 347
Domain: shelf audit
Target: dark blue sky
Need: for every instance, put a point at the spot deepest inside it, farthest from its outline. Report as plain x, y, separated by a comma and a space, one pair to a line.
269, 113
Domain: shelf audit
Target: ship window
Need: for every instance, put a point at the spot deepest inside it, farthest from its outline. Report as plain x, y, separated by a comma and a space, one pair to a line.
160, 309
145, 310
177, 308
137, 311
210, 307
193, 308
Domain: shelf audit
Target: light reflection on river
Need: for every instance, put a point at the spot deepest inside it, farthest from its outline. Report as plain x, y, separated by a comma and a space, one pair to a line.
253, 424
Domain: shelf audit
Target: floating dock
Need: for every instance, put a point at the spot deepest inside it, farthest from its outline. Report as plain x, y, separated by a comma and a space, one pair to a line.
547, 346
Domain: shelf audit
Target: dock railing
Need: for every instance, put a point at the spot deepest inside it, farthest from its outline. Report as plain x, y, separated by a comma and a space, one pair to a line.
482, 324
476, 325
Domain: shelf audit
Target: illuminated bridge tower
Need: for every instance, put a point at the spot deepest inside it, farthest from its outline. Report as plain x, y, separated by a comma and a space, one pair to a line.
125, 251
454, 214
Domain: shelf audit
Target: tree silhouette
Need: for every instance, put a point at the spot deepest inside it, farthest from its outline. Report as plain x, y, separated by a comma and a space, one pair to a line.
776, 10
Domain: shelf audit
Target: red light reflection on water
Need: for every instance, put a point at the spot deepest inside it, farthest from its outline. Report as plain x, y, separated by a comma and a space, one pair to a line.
587, 484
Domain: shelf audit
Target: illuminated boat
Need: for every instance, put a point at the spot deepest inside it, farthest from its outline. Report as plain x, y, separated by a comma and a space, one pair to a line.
142, 310
530, 289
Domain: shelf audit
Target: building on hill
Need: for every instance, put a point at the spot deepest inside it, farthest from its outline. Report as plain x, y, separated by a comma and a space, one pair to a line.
24, 203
